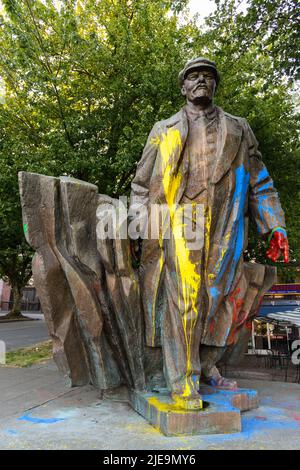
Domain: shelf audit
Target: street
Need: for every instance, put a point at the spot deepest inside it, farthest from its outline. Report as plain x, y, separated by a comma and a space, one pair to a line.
19, 334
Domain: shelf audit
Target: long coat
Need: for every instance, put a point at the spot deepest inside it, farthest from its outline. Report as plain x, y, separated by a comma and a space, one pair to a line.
240, 186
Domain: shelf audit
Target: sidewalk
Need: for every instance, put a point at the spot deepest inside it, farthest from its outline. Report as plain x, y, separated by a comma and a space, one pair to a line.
39, 411
31, 315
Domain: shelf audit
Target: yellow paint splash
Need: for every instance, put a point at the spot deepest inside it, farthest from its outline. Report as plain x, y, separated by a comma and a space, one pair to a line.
187, 273
166, 407
141, 429
223, 251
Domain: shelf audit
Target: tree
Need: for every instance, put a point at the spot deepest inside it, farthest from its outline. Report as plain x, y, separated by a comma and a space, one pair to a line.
84, 82
15, 259
277, 23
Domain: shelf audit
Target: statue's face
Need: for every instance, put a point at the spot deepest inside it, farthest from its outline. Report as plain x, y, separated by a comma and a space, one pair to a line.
199, 86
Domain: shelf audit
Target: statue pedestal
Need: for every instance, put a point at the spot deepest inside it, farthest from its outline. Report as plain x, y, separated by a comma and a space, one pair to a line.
221, 413
244, 399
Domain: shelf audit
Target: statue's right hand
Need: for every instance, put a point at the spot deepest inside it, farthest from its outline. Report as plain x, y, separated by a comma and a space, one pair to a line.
278, 245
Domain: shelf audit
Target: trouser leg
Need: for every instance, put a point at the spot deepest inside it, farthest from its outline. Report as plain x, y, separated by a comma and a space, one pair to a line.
180, 343
209, 356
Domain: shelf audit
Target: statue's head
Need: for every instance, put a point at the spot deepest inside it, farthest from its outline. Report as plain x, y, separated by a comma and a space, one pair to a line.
198, 80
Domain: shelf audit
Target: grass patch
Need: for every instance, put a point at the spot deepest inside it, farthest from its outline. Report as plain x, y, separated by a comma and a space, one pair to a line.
25, 357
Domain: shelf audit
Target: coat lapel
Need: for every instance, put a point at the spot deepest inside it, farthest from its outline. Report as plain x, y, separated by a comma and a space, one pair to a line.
179, 122
229, 139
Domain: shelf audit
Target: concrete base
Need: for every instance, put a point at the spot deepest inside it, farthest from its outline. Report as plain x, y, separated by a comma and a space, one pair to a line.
221, 413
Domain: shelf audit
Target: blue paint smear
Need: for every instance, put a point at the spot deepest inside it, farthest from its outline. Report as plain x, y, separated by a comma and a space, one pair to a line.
266, 400
281, 230
263, 206
31, 419
219, 400
266, 420
274, 419
250, 392
195, 380
263, 174
266, 186
11, 432
214, 292
236, 243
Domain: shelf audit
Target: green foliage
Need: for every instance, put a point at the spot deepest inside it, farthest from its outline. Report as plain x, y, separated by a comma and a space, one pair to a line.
85, 81
15, 254
287, 275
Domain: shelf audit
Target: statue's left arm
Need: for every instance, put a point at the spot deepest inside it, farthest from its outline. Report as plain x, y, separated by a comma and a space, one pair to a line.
264, 203
139, 197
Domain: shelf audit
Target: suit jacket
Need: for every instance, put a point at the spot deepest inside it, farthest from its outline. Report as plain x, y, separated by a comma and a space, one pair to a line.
240, 186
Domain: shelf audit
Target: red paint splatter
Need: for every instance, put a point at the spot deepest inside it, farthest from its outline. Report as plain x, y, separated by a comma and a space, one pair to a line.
212, 325
237, 305
297, 418
242, 317
96, 287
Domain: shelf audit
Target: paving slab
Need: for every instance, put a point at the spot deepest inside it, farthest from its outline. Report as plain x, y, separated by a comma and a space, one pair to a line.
85, 418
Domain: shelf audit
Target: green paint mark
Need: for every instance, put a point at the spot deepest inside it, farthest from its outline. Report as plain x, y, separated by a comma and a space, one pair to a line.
25, 228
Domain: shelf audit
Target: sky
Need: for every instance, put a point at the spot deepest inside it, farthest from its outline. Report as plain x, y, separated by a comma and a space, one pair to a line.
203, 7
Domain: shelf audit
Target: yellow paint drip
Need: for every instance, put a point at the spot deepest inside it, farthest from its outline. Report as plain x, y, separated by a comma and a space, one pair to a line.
186, 269
218, 264
223, 251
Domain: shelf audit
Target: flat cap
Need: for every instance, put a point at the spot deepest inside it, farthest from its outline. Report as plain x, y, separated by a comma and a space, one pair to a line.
199, 62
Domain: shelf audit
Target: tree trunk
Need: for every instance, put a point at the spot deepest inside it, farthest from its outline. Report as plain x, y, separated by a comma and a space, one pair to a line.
15, 312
